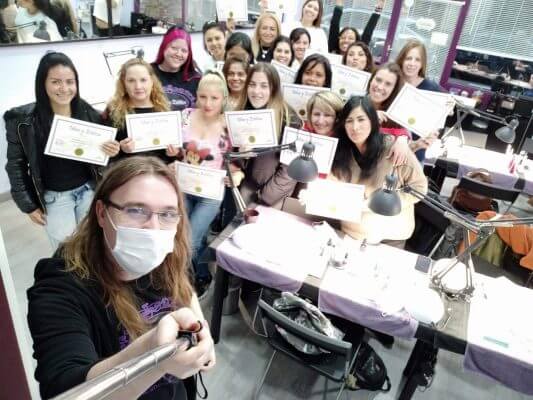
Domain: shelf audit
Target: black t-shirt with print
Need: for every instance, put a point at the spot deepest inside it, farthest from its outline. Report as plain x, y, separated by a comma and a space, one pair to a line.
180, 93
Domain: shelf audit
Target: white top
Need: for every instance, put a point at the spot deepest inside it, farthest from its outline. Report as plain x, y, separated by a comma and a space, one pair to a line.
100, 11
25, 35
319, 40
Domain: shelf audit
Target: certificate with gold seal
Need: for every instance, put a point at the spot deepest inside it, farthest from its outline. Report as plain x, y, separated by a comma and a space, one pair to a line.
286, 74
235, 9
154, 131
253, 128
201, 181
334, 199
297, 96
346, 81
78, 140
416, 111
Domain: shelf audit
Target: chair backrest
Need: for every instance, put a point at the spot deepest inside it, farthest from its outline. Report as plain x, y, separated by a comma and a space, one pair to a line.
488, 189
335, 346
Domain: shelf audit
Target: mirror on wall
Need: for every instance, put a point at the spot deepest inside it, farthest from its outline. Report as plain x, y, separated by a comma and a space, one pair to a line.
31, 21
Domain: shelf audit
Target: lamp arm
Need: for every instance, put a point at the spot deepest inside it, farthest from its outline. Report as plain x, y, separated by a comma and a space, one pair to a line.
234, 155
239, 201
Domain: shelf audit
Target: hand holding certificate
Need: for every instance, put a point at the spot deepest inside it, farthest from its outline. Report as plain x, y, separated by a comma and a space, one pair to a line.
325, 147
201, 181
286, 74
443, 99
346, 81
235, 9
254, 128
417, 112
153, 131
334, 199
79, 140
297, 96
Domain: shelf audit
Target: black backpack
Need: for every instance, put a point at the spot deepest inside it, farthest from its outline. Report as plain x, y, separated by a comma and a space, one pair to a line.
369, 371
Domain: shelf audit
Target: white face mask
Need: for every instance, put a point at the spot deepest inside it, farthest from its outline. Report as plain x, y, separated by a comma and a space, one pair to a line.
139, 251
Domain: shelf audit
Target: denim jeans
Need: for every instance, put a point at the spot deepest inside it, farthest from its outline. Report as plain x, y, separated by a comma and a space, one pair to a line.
64, 210
201, 213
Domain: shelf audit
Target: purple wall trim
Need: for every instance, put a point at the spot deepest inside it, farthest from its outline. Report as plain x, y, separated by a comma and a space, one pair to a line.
391, 31
446, 72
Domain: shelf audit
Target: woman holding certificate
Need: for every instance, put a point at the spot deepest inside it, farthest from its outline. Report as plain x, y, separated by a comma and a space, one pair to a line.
314, 71
266, 179
235, 71
361, 158
412, 59
55, 191
176, 69
267, 29
205, 140
138, 91
119, 288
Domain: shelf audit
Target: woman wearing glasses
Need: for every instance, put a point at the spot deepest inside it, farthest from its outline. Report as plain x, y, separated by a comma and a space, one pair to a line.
119, 287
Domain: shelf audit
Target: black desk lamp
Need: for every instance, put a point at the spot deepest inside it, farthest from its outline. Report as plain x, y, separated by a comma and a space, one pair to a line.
302, 169
386, 201
40, 32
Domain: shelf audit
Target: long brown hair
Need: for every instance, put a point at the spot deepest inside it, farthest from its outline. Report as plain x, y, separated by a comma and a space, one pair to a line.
119, 105
414, 44
86, 256
275, 102
396, 70
318, 19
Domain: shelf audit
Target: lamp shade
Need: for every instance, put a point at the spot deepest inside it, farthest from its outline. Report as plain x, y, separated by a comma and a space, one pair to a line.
507, 133
41, 32
303, 168
386, 201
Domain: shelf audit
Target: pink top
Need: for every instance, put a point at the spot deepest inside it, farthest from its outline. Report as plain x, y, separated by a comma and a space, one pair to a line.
207, 152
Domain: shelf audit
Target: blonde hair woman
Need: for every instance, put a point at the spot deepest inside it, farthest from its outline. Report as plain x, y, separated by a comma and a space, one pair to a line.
267, 29
266, 179
137, 91
205, 140
322, 109
119, 287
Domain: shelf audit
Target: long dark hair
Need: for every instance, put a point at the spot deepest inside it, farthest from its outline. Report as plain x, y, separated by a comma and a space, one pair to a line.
396, 70
369, 67
43, 108
280, 39
347, 151
242, 40
310, 63
337, 48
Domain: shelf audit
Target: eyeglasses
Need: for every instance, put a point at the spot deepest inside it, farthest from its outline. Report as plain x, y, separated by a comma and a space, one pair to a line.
141, 215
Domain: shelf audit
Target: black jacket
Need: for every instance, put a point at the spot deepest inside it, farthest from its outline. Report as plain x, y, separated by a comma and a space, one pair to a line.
333, 38
24, 154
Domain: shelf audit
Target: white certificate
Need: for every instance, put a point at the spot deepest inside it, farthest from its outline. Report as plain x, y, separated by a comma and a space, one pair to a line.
415, 111
236, 9
325, 147
78, 140
333, 58
276, 7
286, 74
346, 81
334, 199
201, 181
444, 99
153, 131
297, 96
253, 128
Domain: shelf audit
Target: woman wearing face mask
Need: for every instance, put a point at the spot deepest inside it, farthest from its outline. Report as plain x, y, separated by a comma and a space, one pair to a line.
300, 42
138, 91
267, 29
358, 56
281, 51
36, 12
177, 70
338, 42
361, 158
412, 59
385, 83
54, 192
214, 42
235, 71
310, 19
119, 287
239, 45
266, 179
205, 140
314, 71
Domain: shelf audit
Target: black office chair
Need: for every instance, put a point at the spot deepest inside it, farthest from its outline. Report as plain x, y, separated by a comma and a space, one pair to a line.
335, 366
489, 190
